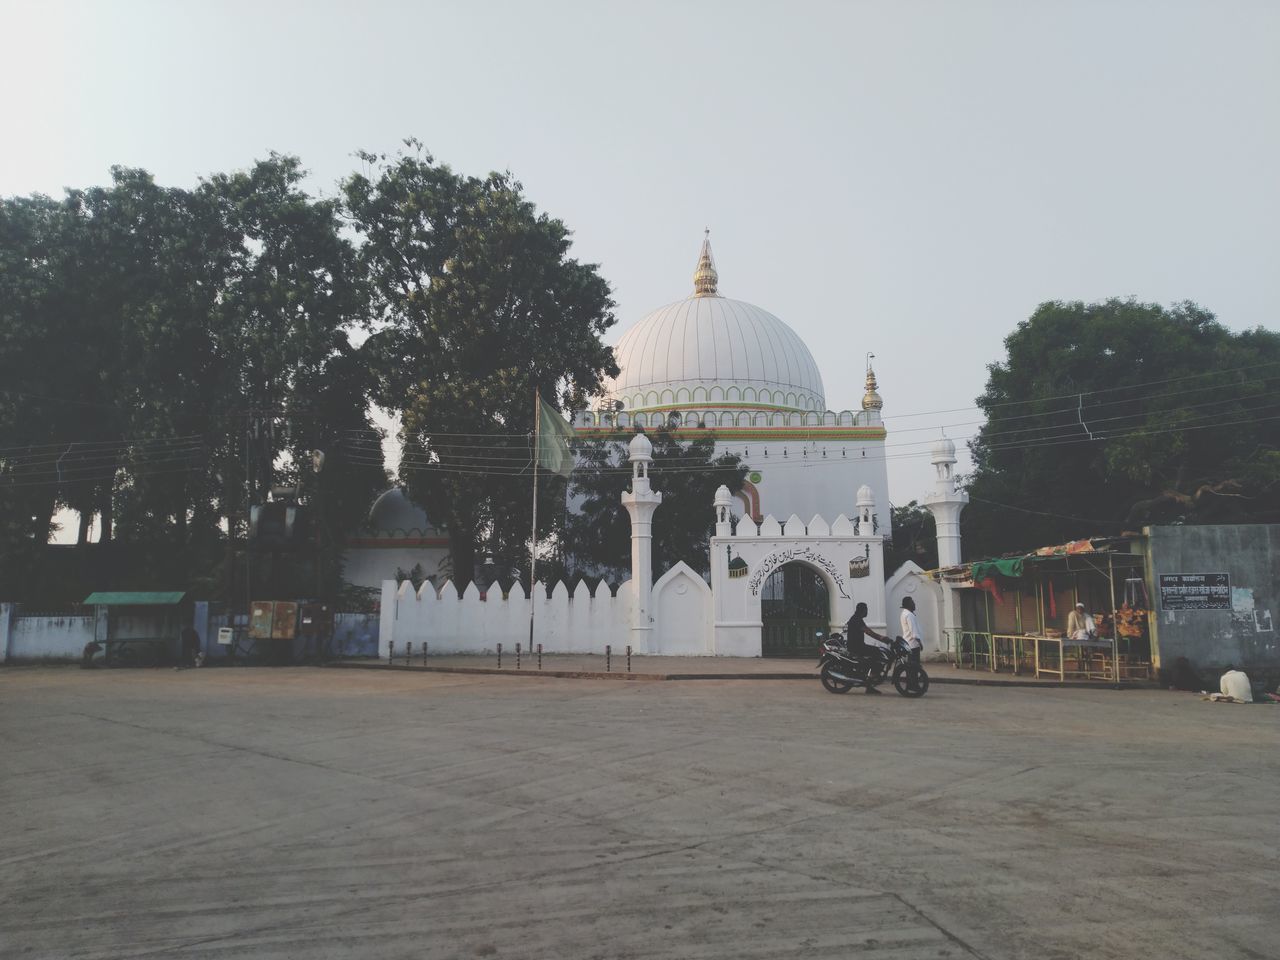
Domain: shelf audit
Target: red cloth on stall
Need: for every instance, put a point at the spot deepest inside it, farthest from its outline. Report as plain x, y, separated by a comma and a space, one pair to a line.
992, 588
1053, 602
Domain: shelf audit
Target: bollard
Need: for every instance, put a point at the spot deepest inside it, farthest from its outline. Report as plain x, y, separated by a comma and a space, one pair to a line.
608, 654
517, 656
408, 652
424, 653
391, 651
499, 656
628, 658
539, 656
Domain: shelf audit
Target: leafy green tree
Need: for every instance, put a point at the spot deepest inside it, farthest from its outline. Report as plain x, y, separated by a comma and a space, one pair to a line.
477, 303
178, 337
915, 538
1106, 416
596, 539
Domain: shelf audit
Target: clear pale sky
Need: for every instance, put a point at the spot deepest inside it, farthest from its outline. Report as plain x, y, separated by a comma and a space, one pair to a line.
906, 178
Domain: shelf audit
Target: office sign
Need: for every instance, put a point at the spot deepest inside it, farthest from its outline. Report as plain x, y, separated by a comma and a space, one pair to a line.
1195, 591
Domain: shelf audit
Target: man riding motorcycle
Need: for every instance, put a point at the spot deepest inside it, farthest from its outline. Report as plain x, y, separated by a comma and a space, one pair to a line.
856, 633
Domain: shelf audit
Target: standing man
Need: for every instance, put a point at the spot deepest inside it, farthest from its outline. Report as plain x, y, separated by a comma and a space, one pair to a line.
911, 629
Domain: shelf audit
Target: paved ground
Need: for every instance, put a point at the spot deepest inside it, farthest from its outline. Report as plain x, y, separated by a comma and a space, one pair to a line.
308, 813
681, 667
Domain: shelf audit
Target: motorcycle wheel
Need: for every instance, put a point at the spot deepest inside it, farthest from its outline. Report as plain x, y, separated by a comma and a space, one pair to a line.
910, 680
833, 684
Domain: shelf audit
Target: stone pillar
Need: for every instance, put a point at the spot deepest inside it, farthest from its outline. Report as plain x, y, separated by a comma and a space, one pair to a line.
641, 502
946, 502
6, 625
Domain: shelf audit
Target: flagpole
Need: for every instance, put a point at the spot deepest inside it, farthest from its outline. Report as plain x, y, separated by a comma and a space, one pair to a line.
533, 548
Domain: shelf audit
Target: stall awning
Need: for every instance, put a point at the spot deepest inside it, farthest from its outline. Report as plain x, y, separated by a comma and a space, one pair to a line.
134, 598
1005, 567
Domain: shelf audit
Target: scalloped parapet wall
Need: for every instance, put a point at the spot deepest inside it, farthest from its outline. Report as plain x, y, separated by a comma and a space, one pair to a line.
841, 528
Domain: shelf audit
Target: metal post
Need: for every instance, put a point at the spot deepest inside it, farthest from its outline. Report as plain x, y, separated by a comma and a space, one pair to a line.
608, 654
628, 658
517, 656
424, 653
1115, 624
408, 652
499, 656
539, 656
391, 651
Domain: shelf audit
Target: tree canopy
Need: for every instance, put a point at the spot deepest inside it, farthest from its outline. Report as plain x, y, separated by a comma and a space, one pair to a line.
157, 343
596, 539
1106, 416
477, 303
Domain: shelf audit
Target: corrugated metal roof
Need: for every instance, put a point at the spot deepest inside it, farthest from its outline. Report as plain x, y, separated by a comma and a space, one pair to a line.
134, 598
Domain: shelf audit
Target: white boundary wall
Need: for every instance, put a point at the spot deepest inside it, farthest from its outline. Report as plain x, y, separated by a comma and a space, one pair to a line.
569, 621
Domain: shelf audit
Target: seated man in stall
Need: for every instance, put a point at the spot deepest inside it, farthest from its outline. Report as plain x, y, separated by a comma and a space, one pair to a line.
1080, 625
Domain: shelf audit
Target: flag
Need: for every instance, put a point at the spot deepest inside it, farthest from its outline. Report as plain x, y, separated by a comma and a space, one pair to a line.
554, 435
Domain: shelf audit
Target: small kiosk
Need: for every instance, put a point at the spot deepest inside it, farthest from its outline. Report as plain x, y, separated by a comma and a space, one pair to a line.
1014, 610
139, 627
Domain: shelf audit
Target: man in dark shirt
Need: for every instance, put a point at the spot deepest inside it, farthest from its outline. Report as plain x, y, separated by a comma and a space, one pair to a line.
856, 633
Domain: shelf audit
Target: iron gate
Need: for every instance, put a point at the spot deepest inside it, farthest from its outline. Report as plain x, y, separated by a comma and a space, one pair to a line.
794, 607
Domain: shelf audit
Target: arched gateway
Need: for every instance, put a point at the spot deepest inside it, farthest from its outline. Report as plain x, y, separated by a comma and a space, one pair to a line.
776, 584
795, 605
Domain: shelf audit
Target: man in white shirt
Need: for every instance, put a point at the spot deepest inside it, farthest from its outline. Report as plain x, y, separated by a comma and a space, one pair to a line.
911, 628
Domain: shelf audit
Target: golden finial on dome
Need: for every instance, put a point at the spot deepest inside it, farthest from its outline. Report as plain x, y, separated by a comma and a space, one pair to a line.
705, 277
871, 400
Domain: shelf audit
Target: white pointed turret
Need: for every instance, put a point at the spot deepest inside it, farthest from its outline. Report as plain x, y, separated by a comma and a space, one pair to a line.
723, 502
866, 511
641, 502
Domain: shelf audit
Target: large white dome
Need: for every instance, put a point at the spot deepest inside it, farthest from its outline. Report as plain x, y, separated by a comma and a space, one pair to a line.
709, 350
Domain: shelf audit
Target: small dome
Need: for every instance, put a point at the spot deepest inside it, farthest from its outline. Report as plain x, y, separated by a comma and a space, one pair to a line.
866, 496
944, 451
723, 497
393, 513
640, 447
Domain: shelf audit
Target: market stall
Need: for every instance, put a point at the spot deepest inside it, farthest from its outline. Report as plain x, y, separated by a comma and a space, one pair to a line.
1014, 612
138, 627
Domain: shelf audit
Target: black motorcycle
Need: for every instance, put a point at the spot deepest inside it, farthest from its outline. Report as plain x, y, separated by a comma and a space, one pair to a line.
841, 672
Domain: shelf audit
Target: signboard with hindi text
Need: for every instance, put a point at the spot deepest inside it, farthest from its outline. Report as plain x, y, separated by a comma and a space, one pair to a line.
1195, 591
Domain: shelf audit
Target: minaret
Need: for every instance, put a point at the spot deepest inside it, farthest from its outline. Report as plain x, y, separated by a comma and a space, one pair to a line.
705, 279
641, 501
946, 501
866, 511
723, 503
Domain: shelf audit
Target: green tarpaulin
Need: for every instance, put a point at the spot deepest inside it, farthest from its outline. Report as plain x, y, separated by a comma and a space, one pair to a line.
1006, 567
134, 598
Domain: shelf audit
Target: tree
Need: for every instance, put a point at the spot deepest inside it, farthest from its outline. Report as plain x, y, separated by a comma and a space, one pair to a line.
1106, 416
477, 303
915, 538
173, 338
596, 540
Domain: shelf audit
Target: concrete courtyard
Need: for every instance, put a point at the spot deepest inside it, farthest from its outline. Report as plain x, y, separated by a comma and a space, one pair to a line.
318, 813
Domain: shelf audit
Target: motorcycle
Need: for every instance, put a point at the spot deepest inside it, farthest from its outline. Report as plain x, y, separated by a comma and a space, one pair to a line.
841, 672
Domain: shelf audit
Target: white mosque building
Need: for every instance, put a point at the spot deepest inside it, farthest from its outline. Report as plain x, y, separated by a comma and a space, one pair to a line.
808, 541
708, 362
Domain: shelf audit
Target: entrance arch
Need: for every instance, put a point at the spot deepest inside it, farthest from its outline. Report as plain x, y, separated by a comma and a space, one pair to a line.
795, 604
